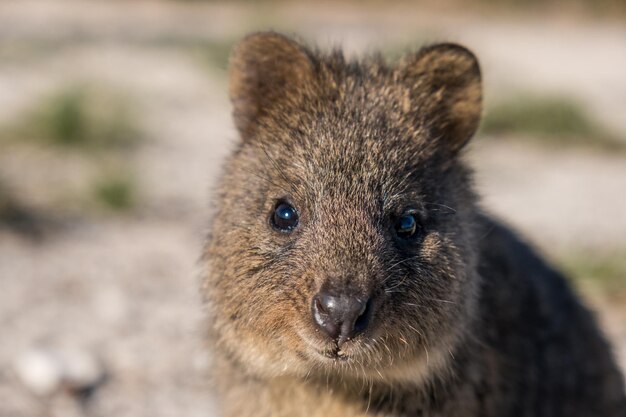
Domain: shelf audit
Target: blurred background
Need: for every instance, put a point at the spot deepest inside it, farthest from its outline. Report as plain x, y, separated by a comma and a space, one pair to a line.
114, 121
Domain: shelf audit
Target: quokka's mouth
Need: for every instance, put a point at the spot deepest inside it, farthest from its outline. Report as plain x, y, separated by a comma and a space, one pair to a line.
335, 354
329, 351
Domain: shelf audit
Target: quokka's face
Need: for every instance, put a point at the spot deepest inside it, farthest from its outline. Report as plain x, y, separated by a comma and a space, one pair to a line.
342, 244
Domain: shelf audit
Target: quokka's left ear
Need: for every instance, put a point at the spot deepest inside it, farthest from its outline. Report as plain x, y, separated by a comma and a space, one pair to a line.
267, 72
444, 92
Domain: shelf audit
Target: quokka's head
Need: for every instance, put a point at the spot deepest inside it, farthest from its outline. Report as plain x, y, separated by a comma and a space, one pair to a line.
342, 242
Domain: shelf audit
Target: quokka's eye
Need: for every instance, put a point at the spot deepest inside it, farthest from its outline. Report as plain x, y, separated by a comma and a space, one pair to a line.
285, 217
406, 226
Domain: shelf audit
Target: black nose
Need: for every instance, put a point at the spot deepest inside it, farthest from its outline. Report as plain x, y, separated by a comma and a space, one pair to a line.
340, 316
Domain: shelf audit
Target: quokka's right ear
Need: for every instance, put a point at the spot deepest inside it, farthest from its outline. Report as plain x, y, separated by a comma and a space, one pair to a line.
267, 71
445, 90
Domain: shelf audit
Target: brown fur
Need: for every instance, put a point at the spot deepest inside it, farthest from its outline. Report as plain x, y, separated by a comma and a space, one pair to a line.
466, 321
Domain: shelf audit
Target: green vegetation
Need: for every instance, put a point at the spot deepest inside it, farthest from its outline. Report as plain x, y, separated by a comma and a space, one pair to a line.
13, 215
587, 7
601, 275
214, 53
555, 121
115, 192
66, 120
6, 203
211, 52
79, 117
85, 123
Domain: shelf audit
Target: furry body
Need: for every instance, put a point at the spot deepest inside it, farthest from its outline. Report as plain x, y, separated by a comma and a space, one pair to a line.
465, 319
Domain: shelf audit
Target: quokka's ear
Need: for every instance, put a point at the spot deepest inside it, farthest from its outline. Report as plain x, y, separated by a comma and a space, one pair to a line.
444, 92
266, 72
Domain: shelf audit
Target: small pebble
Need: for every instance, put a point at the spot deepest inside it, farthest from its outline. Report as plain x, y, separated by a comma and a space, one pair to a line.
81, 370
40, 371
45, 371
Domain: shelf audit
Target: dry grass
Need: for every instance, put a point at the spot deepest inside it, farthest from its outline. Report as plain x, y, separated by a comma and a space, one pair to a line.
115, 191
603, 275
552, 121
85, 117
99, 128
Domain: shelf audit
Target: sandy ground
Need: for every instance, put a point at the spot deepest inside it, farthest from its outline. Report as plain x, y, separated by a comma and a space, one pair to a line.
123, 289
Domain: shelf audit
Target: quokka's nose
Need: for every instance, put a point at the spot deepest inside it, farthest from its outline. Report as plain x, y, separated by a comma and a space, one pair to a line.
340, 316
